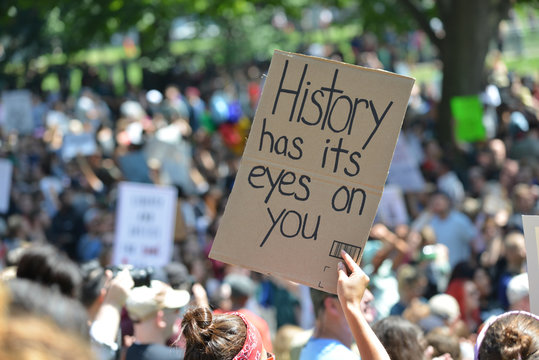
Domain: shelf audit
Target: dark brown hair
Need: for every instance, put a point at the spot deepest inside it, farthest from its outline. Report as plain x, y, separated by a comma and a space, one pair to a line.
513, 336
401, 338
442, 342
212, 337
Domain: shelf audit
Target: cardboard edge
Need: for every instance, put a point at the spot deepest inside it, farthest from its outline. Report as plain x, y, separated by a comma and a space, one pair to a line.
316, 58
228, 260
530, 222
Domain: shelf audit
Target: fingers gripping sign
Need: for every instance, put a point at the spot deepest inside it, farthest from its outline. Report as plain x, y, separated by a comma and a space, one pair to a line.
352, 281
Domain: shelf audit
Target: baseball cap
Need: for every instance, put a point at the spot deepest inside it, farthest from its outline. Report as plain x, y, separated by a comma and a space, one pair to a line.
144, 301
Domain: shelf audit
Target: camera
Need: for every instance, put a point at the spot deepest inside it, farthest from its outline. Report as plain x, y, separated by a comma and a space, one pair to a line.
141, 276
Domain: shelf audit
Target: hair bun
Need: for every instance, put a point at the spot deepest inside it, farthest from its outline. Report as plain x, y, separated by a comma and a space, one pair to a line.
516, 344
197, 325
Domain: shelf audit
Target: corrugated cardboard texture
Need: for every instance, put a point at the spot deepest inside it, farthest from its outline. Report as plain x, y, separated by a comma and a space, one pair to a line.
313, 170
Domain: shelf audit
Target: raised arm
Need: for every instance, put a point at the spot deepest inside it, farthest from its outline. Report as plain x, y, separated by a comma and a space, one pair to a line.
351, 285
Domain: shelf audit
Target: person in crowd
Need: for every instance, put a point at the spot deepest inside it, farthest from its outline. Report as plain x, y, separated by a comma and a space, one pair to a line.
231, 336
515, 263
412, 284
401, 338
104, 296
30, 335
221, 336
154, 311
47, 266
518, 293
443, 343
333, 335
67, 225
511, 335
467, 295
444, 311
452, 228
27, 297
242, 289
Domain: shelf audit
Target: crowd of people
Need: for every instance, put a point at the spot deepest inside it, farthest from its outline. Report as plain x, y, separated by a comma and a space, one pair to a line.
453, 259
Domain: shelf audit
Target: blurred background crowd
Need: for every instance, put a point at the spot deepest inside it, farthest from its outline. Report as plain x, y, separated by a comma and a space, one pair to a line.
457, 232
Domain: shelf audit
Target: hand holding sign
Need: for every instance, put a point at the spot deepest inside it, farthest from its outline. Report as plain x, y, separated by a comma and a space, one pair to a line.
351, 283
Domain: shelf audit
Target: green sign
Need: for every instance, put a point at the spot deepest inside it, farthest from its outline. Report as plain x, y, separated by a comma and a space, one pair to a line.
468, 114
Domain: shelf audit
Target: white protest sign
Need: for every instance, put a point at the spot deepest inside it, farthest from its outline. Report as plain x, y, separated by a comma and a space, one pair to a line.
404, 170
78, 144
17, 111
313, 170
531, 234
6, 169
145, 217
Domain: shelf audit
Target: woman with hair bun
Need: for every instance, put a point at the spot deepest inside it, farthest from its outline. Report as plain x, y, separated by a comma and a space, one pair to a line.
227, 336
231, 336
512, 335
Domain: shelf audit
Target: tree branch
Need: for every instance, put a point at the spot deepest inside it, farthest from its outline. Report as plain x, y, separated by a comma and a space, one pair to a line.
423, 22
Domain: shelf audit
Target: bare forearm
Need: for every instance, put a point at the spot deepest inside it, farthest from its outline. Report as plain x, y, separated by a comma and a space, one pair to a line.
108, 322
370, 348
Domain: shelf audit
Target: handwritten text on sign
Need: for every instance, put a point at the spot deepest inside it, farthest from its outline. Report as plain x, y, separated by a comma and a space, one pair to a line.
314, 167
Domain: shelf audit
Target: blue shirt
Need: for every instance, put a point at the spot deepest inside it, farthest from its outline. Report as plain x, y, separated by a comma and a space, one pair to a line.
326, 349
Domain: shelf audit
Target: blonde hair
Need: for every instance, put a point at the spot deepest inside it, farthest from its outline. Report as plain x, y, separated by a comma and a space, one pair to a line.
28, 337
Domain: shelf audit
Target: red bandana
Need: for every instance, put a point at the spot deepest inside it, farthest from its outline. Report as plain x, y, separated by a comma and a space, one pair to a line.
252, 349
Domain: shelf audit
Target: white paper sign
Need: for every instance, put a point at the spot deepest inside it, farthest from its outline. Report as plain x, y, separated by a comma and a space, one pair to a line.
17, 111
73, 145
404, 169
6, 169
531, 234
145, 217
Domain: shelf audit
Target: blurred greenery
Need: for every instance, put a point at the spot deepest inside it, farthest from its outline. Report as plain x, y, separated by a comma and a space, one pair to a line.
51, 35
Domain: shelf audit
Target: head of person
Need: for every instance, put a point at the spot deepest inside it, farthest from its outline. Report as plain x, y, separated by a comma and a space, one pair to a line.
515, 248
411, 281
154, 310
242, 288
93, 290
228, 336
443, 341
512, 335
401, 338
28, 335
330, 320
47, 266
440, 203
443, 312
28, 298
518, 293
467, 295
367, 306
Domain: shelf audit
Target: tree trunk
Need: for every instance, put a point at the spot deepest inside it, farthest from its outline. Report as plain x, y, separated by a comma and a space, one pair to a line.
469, 27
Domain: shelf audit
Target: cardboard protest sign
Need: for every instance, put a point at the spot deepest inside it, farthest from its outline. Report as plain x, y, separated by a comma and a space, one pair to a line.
17, 111
78, 144
468, 114
404, 170
313, 170
531, 234
6, 169
145, 217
